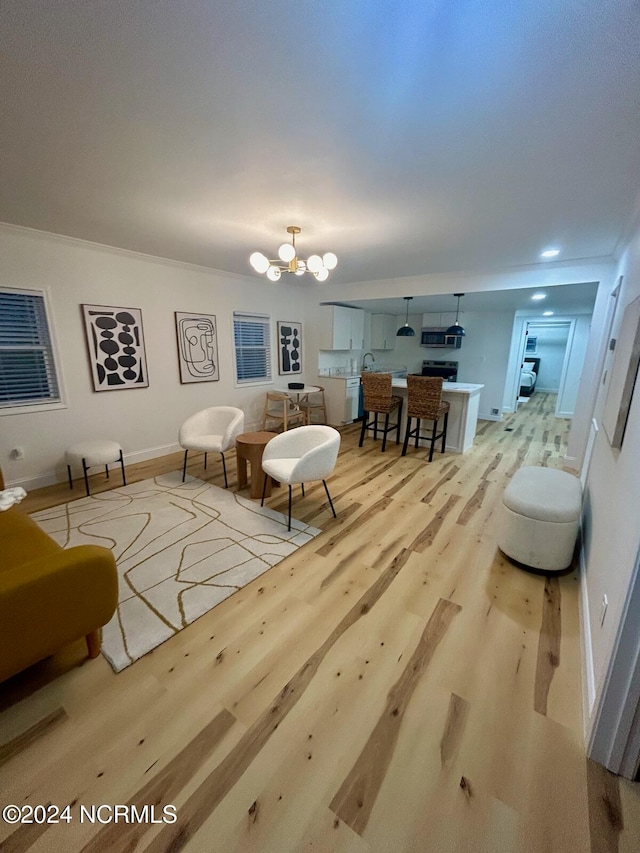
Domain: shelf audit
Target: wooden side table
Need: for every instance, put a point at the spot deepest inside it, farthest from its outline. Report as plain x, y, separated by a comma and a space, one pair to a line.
249, 448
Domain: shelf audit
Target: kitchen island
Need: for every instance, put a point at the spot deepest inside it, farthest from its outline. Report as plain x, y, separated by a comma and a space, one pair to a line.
464, 401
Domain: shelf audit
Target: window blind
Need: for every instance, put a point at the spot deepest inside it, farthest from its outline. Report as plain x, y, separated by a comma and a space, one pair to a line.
252, 339
27, 367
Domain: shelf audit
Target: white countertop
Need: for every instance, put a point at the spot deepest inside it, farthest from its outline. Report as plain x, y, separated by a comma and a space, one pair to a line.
449, 387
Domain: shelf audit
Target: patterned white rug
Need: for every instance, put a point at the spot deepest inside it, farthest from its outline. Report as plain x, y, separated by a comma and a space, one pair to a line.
181, 548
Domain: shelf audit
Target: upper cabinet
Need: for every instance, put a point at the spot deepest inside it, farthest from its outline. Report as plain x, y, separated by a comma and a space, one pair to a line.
439, 321
341, 327
383, 331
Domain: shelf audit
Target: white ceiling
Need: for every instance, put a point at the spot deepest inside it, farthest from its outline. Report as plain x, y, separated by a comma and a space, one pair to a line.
416, 137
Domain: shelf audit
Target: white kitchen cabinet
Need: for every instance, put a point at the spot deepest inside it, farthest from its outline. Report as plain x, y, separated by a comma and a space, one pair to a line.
342, 396
341, 328
383, 331
439, 321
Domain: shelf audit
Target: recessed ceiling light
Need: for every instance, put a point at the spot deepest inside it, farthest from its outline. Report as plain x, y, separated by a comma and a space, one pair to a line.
547, 313
550, 253
539, 296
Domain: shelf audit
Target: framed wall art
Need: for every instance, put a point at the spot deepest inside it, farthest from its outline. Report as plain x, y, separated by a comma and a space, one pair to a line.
289, 347
116, 347
197, 347
624, 373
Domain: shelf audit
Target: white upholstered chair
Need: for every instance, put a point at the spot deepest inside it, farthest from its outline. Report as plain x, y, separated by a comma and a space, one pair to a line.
212, 430
302, 455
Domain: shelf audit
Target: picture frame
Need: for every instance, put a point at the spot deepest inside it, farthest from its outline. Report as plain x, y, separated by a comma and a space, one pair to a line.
289, 348
197, 338
115, 342
624, 374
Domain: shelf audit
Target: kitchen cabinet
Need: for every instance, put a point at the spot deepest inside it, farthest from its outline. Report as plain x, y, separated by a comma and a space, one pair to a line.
341, 328
439, 321
342, 396
383, 331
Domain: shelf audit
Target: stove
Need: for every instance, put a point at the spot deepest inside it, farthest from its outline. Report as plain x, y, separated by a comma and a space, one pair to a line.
447, 369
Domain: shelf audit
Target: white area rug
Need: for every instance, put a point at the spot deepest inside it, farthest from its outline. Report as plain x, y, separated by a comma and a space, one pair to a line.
181, 548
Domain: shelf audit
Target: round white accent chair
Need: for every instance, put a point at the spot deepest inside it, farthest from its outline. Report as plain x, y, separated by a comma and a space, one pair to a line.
90, 453
212, 430
301, 455
540, 517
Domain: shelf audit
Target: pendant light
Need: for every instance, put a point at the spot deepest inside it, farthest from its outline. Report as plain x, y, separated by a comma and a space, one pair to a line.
456, 330
406, 331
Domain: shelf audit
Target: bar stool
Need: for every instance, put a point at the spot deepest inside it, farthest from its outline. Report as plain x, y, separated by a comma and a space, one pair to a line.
280, 408
314, 402
379, 400
424, 402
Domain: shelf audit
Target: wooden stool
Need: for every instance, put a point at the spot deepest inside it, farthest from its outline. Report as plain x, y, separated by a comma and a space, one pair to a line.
249, 448
89, 453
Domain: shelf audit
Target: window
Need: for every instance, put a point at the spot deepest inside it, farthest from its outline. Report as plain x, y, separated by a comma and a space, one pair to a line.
252, 339
532, 344
27, 367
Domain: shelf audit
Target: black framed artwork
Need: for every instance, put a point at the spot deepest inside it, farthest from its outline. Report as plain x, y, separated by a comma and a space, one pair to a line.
289, 347
197, 347
115, 341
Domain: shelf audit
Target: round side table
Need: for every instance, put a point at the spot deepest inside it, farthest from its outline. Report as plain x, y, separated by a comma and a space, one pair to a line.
249, 448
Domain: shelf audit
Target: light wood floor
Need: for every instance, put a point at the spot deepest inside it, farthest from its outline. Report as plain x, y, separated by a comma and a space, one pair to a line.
396, 685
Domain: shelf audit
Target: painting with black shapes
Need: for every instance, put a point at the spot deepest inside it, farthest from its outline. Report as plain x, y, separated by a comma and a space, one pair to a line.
116, 347
197, 347
289, 347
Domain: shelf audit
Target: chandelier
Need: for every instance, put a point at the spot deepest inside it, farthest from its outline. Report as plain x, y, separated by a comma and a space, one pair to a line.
288, 261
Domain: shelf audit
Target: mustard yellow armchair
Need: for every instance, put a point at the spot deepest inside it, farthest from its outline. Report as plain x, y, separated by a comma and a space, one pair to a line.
49, 596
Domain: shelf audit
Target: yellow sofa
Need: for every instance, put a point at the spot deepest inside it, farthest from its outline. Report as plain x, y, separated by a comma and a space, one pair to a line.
49, 596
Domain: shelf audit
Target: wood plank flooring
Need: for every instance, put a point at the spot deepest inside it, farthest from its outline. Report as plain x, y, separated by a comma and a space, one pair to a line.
396, 685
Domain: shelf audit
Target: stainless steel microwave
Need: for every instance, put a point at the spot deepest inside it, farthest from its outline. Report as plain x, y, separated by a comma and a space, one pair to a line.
439, 338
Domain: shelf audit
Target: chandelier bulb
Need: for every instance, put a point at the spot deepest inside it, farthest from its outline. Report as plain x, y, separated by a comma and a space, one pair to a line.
322, 274
330, 260
273, 273
259, 262
286, 252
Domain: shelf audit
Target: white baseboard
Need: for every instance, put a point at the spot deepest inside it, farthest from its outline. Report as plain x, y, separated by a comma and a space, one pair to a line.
588, 672
489, 417
50, 478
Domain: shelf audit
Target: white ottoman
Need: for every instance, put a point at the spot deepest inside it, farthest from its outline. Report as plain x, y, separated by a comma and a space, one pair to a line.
89, 453
540, 516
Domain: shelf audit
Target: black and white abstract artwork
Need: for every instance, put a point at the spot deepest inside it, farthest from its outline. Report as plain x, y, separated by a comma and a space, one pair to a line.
197, 347
289, 347
116, 347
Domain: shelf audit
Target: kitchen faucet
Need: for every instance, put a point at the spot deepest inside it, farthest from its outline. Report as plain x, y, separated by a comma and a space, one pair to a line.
364, 359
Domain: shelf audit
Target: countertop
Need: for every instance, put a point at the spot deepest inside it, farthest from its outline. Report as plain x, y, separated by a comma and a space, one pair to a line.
449, 387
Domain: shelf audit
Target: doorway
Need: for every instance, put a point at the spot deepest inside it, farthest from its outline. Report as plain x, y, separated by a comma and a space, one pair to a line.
548, 346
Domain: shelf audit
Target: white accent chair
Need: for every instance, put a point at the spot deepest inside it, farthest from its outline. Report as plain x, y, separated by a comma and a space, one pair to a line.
540, 517
212, 430
301, 455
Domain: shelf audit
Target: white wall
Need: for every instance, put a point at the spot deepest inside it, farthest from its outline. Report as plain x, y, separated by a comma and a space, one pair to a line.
146, 420
611, 519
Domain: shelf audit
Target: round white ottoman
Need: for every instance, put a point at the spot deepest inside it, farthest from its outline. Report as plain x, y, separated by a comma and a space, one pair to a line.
540, 516
89, 453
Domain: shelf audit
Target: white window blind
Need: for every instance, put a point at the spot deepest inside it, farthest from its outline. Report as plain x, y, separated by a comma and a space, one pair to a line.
27, 367
252, 338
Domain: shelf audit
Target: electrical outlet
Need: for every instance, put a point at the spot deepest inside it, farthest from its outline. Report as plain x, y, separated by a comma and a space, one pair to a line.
17, 453
603, 609
495, 411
